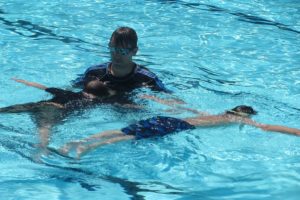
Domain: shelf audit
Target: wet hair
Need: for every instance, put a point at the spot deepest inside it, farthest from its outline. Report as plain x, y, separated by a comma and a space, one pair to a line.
96, 87
124, 37
242, 110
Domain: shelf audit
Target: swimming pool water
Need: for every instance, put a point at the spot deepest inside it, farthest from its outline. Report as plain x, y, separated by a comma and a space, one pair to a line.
213, 54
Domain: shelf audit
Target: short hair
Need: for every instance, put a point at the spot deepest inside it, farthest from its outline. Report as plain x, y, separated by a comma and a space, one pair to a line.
124, 36
242, 110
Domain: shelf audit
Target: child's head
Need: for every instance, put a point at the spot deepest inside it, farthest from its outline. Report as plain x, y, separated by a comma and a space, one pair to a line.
243, 111
97, 88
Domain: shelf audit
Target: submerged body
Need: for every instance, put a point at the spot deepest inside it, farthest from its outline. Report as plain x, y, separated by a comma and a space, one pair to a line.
48, 113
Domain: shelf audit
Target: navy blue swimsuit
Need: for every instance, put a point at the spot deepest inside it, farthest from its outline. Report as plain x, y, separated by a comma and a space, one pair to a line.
156, 126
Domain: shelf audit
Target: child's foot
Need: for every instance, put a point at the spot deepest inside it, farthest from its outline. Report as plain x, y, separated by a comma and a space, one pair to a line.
81, 150
67, 147
69, 150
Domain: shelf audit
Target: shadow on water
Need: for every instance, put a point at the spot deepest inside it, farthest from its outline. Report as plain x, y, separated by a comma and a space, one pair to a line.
85, 178
241, 16
37, 32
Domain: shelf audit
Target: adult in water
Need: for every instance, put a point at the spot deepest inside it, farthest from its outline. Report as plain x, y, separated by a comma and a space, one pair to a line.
122, 73
160, 126
47, 113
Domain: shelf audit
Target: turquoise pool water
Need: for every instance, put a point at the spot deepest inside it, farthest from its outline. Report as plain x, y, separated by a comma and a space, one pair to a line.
212, 54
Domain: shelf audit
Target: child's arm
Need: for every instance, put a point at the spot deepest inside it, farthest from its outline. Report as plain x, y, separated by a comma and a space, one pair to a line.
175, 103
31, 84
169, 102
281, 129
273, 128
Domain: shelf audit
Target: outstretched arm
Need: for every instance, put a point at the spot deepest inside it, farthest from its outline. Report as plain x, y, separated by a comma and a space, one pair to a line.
273, 128
281, 129
223, 119
31, 84
176, 103
169, 102
270, 127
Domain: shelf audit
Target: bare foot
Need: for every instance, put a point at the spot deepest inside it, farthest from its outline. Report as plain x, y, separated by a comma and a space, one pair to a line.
37, 157
80, 150
65, 150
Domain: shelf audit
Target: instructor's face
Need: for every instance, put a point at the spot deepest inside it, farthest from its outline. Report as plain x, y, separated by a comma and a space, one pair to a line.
120, 54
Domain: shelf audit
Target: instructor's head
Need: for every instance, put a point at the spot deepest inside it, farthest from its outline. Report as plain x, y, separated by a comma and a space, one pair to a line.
125, 37
123, 43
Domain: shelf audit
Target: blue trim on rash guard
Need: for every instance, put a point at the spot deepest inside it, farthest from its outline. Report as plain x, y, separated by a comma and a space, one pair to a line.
150, 74
162, 86
79, 81
146, 72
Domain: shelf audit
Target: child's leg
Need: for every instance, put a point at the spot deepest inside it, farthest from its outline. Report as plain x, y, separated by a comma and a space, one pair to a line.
92, 140
82, 149
106, 134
